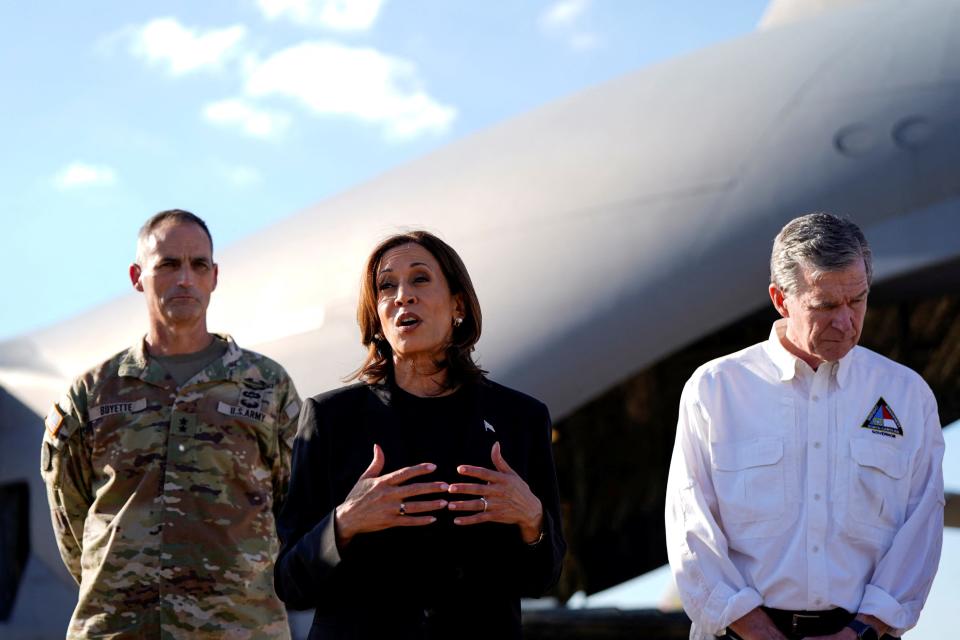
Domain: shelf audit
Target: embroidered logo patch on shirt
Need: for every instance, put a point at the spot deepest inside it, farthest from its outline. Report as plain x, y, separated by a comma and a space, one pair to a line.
882, 420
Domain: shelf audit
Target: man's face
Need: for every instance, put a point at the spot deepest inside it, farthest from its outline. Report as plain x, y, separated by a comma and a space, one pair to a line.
176, 274
824, 315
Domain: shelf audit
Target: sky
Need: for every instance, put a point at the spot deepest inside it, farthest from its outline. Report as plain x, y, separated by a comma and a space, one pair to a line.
246, 111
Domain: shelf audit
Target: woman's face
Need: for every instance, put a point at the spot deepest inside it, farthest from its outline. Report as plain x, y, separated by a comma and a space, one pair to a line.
414, 304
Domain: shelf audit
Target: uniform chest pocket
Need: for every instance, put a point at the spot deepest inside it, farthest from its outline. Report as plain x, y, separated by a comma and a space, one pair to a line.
131, 443
877, 495
750, 481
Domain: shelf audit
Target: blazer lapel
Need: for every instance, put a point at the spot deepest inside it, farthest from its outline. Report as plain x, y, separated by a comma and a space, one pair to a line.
481, 430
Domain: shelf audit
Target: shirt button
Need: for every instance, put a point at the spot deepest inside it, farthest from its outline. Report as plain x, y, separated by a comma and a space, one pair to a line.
816, 398
182, 448
816, 548
816, 445
816, 496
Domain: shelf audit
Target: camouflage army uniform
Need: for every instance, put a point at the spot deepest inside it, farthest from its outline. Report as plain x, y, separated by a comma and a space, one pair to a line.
162, 497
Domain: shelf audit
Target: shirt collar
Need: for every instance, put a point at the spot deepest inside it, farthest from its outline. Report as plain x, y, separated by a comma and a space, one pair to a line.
783, 360
136, 363
787, 363
842, 368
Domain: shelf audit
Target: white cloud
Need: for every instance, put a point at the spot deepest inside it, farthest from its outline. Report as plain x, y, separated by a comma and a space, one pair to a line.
78, 175
563, 14
251, 120
341, 15
183, 50
241, 176
331, 79
563, 19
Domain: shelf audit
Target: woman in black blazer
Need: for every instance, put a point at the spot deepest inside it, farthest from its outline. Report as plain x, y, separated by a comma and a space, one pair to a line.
423, 500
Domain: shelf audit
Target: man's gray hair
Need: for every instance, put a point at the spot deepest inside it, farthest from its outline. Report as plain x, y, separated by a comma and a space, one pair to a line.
176, 215
821, 241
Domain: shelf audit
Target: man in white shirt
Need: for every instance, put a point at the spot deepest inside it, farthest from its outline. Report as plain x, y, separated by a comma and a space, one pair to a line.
805, 496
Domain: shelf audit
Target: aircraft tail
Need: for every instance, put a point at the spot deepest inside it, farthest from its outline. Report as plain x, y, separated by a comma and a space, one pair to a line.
780, 12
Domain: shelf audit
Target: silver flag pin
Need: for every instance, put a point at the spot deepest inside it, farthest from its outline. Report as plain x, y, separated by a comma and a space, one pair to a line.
489, 427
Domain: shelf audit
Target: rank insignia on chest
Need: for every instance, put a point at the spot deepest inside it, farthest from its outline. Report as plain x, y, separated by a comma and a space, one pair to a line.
882, 420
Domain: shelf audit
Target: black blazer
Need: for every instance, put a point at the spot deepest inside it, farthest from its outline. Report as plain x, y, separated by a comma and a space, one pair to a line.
413, 582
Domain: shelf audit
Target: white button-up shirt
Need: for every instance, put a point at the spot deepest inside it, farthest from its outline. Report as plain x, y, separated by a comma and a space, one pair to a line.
805, 490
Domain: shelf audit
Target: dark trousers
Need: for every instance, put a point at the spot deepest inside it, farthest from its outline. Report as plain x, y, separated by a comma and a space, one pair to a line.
797, 625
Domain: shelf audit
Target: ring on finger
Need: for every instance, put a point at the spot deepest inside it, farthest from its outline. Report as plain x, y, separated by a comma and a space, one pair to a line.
484, 501
403, 509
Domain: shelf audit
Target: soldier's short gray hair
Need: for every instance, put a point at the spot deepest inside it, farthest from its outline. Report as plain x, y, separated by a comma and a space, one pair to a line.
176, 215
821, 241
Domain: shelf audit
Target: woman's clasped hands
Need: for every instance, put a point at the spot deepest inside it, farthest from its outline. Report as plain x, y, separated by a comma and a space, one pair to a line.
377, 502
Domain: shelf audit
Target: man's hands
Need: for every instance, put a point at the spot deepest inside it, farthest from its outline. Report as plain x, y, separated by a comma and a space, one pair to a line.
378, 502
505, 498
756, 625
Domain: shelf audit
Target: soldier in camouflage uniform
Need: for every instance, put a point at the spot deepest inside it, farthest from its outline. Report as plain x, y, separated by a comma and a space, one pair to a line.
165, 464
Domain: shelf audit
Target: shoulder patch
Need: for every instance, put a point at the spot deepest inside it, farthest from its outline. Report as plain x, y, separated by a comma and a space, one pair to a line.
882, 420
293, 409
54, 420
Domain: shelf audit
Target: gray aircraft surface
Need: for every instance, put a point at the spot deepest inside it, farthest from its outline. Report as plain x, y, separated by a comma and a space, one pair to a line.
605, 232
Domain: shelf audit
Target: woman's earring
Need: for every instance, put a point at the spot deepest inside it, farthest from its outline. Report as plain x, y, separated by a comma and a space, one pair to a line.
457, 321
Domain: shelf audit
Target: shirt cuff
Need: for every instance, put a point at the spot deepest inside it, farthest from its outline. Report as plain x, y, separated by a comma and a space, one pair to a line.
879, 603
328, 541
726, 605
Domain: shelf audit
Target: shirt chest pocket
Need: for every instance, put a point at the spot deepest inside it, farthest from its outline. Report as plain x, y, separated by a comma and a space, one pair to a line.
877, 493
750, 482
130, 442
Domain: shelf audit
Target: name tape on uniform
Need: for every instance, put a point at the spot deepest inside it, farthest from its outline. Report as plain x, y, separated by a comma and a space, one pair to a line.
241, 411
114, 408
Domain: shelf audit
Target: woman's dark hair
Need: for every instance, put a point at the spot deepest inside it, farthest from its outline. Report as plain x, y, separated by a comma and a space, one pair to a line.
458, 360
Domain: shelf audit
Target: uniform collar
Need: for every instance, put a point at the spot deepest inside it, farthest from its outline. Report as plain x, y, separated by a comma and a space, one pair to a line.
136, 363
787, 363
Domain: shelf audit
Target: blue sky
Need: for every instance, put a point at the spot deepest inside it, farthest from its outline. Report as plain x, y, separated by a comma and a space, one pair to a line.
245, 111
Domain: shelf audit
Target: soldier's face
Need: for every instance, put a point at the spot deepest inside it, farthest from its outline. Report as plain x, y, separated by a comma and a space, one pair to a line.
825, 314
176, 274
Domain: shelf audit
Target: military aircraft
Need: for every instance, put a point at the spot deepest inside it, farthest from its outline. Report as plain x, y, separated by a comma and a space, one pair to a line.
608, 234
